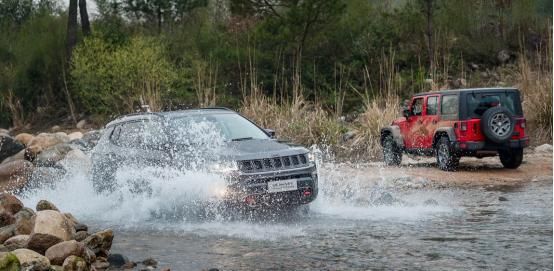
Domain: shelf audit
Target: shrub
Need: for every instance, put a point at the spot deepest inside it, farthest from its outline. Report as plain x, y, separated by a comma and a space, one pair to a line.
115, 79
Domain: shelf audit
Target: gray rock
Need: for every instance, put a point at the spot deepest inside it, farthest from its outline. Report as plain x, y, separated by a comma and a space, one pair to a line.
9, 146
52, 155
117, 260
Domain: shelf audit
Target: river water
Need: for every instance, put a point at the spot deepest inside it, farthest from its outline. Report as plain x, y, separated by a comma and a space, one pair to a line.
359, 221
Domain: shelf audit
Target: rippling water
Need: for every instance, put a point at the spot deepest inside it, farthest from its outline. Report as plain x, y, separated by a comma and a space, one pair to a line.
359, 222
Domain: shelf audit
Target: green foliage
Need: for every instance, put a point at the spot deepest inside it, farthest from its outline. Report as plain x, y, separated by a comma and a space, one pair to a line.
110, 79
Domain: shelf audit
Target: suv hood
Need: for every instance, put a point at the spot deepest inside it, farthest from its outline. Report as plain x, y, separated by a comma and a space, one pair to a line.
258, 149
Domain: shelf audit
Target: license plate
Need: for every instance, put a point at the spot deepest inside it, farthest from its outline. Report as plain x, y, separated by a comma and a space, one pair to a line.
281, 186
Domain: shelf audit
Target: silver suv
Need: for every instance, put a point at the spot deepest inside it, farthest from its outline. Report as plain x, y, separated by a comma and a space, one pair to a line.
258, 169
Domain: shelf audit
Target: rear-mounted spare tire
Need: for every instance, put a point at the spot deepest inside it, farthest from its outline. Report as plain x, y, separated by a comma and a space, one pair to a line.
497, 123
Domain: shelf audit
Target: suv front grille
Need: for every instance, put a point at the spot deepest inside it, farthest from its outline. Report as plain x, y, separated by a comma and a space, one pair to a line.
275, 163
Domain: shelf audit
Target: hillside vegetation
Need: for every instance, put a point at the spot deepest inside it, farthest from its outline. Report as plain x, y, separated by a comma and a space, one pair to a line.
327, 72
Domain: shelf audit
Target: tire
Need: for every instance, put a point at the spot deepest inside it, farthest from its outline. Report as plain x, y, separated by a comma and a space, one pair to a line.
391, 153
497, 123
447, 159
511, 158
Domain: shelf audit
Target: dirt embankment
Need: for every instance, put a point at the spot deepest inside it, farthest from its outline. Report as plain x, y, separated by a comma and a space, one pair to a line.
537, 165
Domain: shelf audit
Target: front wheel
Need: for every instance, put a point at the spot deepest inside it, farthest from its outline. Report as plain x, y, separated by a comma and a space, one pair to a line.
391, 153
447, 159
511, 158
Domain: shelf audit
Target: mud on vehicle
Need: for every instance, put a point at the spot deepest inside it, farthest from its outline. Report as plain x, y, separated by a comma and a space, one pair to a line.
455, 123
258, 169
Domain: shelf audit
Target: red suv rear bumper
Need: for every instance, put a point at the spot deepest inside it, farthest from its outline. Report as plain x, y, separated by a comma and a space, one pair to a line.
486, 146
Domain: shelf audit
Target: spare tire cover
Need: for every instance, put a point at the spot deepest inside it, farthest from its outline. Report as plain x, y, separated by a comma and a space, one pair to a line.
497, 123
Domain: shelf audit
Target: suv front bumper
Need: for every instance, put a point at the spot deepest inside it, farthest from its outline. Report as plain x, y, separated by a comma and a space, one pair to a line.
252, 189
489, 146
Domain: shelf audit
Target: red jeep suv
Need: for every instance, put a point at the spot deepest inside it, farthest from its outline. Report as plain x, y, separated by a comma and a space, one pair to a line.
454, 123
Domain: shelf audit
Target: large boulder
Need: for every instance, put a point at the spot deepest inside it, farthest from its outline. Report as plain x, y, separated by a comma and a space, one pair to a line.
6, 219
46, 205
44, 141
75, 136
59, 252
10, 203
15, 174
76, 159
24, 221
24, 138
17, 242
9, 146
31, 260
74, 263
7, 232
52, 155
100, 242
18, 156
9, 262
49, 228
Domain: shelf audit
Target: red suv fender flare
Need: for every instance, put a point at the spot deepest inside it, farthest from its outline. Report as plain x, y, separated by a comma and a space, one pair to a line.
442, 131
396, 135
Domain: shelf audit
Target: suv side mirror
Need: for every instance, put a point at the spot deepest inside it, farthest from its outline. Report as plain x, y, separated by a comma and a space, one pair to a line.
270, 132
406, 112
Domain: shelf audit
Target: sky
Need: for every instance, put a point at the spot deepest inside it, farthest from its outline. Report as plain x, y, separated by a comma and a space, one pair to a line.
91, 6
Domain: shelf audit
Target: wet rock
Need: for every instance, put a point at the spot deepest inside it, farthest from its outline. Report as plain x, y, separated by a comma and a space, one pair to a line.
46, 205
117, 260
49, 228
6, 219
101, 264
10, 203
150, 262
430, 202
76, 159
23, 221
72, 219
100, 242
9, 262
45, 176
7, 232
75, 136
80, 227
81, 124
52, 155
129, 265
544, 148
44, 141
18, 156
24, 138
31, 260
58, 252
15, 174
501, 198
9, 146
18, 241
74, 263
385, 199
81, 235
89, 256
92, 137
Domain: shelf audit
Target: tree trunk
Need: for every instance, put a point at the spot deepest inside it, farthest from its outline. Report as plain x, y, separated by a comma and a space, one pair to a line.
430, 40
85, 24
71, 28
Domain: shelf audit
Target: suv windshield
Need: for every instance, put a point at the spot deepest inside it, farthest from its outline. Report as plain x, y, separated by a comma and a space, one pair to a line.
478, 103
231, 127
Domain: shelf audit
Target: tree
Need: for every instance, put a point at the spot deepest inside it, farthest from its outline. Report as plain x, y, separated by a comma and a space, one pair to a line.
85, 24
71, 28
428, 8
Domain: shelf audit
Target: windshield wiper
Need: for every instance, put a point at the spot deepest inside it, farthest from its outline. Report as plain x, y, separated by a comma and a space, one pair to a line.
242, 138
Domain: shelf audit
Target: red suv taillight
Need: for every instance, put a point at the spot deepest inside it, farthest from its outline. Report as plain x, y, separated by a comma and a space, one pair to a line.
522, 123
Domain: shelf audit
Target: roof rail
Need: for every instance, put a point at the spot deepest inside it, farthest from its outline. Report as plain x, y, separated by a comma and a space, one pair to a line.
216, 107
138, 114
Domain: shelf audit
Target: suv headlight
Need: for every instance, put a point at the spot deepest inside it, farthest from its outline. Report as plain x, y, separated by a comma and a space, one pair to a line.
311, 157
224, 167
